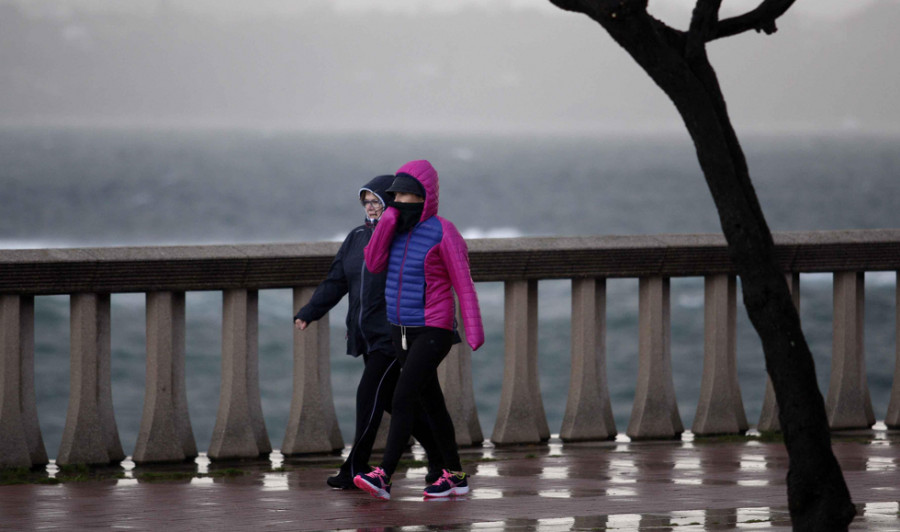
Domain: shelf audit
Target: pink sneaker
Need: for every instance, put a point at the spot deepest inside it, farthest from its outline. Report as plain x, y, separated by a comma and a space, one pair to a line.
377, 483
449, 484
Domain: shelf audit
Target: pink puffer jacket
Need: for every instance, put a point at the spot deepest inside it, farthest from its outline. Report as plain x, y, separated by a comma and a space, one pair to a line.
424, 264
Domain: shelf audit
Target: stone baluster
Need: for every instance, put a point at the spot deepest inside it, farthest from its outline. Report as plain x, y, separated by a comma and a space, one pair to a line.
21, 443
588, 413
520, 417
720, 409
165, 434
312, 426
468, 393
848, 405
654, 414
28, 400
892, 418
768, 417
455, 374
90, 435
450, 376
240, 430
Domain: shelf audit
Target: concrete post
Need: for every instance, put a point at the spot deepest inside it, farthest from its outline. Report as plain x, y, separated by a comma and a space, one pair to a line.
165, 434
768, 417
520, 417
312, 419
240, 430
468, 393
655, 411
720, 409
892, 418
384, 429
455, 374
14, 450
849, 405
28, 400
450, 376
90, 435
588, 413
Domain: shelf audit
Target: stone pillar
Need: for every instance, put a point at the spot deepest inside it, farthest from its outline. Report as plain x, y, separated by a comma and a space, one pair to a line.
240, 430
90, 435
28, 400
14, 450
655, 412
165, 434
720, 409
468, 393
849, 405
768, 418
520, 417
450, 376
384, 429
892, 419
588, 413
312, 426
455, 374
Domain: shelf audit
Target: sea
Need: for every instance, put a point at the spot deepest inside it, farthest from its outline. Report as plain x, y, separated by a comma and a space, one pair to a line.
90, 187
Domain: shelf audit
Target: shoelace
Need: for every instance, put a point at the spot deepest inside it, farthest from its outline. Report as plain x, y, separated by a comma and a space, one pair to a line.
379, 474
447, 476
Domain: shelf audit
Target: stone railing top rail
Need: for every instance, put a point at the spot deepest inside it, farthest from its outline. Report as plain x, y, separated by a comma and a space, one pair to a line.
260, 266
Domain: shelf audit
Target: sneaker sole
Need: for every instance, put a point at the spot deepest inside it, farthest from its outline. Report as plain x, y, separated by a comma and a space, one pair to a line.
371, 490
452, 492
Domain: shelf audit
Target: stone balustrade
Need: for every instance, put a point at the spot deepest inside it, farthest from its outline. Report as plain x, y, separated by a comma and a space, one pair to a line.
164, 274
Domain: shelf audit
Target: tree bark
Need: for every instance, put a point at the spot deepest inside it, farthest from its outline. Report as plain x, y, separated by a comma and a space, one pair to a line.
818, 498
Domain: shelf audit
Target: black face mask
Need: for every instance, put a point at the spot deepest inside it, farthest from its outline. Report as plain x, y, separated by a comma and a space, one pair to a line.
410, 214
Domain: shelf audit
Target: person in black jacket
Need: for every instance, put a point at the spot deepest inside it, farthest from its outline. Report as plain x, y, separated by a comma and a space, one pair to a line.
369, 335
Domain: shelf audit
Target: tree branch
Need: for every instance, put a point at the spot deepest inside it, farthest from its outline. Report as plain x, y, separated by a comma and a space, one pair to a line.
569, 5
703, 25
760, 19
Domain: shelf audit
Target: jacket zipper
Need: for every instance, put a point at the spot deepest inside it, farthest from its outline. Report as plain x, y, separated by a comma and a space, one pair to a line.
400, 292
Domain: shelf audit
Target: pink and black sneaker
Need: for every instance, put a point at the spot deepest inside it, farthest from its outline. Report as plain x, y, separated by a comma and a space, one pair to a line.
449, 484
377, 483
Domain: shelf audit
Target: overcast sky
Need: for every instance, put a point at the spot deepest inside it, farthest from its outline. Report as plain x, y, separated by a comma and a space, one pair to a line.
469, 65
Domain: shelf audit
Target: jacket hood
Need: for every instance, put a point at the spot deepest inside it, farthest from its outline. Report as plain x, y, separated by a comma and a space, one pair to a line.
427, 175
378, 186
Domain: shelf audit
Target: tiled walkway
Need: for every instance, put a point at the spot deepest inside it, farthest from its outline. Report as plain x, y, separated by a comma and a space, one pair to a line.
674, 486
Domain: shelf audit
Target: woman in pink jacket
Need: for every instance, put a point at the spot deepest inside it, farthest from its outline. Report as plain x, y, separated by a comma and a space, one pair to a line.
425, 257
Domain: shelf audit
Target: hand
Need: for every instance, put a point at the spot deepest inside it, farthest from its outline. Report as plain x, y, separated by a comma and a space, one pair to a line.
300, 324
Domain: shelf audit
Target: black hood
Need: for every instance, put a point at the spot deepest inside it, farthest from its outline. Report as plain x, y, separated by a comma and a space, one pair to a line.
379, 186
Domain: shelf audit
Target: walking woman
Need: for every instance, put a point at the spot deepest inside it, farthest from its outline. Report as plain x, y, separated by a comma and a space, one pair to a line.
425, 256
368, 334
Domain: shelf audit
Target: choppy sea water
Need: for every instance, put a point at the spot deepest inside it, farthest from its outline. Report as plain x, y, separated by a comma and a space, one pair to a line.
76, 187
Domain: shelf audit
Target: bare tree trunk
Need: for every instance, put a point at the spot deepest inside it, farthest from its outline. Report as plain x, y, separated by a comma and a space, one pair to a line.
817, 494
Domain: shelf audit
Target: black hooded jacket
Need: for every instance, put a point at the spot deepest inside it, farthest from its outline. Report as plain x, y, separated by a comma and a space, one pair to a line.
368, 330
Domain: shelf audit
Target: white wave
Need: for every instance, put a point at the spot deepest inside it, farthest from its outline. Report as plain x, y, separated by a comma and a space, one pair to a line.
881, 279
816, 279
32, 244
494, 232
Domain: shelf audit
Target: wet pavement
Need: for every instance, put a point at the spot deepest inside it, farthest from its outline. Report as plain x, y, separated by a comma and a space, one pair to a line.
678, 486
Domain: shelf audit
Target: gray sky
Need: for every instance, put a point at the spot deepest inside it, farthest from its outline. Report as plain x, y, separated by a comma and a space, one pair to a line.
464, 65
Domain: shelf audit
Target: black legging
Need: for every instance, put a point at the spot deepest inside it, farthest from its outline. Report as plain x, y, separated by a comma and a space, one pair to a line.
418, 391
373, 398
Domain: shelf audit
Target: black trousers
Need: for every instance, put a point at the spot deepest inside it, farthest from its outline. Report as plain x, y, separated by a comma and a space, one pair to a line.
418, 391
373, 397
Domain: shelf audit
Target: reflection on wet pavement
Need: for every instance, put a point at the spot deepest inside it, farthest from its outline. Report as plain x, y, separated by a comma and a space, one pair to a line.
692, 485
